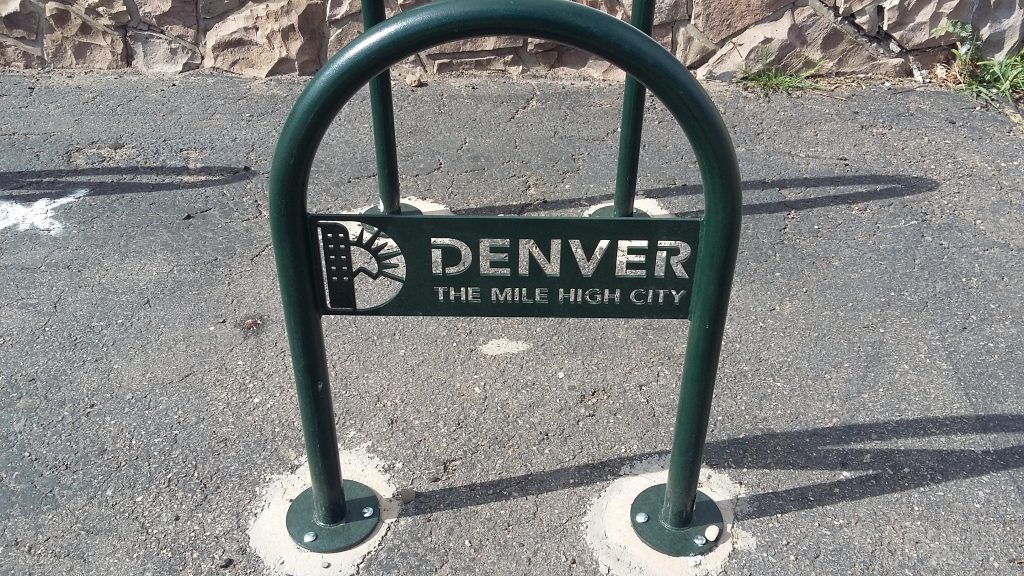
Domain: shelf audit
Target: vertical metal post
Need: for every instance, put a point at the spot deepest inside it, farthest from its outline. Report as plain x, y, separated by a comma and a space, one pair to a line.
632, 125
703, 347
316, 410
383, 113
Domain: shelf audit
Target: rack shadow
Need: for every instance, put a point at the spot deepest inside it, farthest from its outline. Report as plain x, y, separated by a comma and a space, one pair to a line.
873, 471
38, 184
889, 186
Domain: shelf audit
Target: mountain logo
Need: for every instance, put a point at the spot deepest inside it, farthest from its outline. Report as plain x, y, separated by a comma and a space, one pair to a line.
363, 268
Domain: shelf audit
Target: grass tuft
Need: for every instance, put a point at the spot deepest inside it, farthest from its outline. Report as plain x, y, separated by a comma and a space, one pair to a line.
986, 79
769, 79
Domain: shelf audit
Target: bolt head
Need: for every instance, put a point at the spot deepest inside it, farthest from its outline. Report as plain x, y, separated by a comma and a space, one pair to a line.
641, 517
367, 512
700, 540
309, 537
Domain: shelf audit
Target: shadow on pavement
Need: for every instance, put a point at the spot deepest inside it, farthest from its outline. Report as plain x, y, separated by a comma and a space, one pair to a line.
887, 186
865, 471
35, 185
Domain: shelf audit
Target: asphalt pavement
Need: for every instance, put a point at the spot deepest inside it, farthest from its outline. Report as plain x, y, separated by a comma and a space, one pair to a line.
869, 399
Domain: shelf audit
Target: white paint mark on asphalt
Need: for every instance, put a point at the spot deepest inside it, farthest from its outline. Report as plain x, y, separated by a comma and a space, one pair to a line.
504, 346
38, 215
269, 537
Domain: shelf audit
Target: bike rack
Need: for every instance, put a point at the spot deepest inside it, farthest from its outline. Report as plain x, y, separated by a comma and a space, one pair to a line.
687, 263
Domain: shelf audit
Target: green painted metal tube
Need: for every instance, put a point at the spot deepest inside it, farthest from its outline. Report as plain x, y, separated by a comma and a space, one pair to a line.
632, 126
556, 20
383, 113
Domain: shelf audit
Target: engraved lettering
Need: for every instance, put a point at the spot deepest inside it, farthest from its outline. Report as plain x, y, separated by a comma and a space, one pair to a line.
436, 256
457, 294
623, 258
542, 295
588, 265
637, 296
551, 266
682, 252
503, 295
609, 296
488, 258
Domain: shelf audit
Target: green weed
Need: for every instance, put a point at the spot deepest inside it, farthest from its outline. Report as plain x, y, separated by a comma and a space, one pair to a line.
986, 79
769, 79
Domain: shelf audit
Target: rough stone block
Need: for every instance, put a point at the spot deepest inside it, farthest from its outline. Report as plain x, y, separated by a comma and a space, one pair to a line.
18, 19
341, 9
16, 54
692, 49
176, 18
481, 44
608, 6
800, 40
665, 11
578, 61
505, 63
719, 20
156, 53
73, 41
869, 20
911, 22
215, 8
545, 60
279, 37
394, 7
110, 13
670, 11
1001, 25
539, 45
848, 7
343, 31
662, 34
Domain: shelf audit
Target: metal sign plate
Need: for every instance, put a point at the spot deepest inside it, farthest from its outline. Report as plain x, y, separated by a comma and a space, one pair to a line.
410, 265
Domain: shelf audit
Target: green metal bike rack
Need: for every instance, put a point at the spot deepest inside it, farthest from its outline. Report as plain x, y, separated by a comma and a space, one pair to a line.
398, 263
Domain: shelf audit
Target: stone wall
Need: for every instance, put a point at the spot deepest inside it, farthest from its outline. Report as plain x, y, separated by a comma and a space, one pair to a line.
718, 37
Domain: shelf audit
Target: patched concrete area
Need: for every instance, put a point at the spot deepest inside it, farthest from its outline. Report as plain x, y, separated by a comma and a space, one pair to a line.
868, 403
621, 552
269, 537
648, 206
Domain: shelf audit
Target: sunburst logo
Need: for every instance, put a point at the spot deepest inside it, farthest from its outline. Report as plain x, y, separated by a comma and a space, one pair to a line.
363, 267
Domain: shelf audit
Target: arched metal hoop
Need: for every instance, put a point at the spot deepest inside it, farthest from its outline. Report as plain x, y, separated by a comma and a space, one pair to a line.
556, 20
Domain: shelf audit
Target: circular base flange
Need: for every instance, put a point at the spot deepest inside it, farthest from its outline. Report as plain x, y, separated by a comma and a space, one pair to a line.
684, 542
338, 537
406, 209
609, 212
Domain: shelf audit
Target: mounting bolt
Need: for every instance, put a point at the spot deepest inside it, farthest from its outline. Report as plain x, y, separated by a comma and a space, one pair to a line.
309, 537
700, 540
642, 517
367, 512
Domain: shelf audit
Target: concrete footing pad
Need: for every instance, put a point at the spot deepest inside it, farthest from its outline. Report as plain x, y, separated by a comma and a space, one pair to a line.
268, 535
426, 207
648, 206
620, 551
